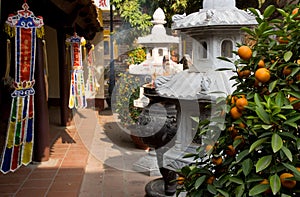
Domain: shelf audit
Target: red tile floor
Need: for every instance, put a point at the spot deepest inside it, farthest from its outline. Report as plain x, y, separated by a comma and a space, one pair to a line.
90, 158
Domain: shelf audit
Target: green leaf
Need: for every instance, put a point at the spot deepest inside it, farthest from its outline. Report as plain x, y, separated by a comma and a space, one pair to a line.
276, 142
269, 11
247, 30
292, 124
272, 85
263, 163
257, 143
257, 100
236, 180
224, 193
287, 56
292, 168
279, 99
284, 195
262, 114
287, 153
199, 181
258, 189
266, 127
287, 134
247, 166
292, 120
295, 94
239, 190
254, 11
242, 154
281, 115
212, 189
275, 184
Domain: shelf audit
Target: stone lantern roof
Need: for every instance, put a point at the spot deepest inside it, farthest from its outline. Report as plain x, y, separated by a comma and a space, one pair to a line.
158, 33
216, 18
215, 13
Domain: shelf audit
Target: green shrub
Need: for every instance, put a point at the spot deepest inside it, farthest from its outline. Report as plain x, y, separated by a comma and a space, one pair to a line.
261, 142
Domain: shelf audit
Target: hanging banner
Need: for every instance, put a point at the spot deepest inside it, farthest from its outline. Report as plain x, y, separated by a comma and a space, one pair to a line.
91, 82
25, 28
77, 98
102, 4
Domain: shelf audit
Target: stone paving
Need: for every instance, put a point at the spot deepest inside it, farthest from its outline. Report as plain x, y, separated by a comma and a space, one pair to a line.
91, 158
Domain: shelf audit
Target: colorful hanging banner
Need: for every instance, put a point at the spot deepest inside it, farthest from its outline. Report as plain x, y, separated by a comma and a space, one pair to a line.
102, 4
25, 28
91, 82
77, 97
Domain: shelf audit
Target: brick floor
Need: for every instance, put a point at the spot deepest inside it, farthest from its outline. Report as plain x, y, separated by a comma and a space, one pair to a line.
83, 162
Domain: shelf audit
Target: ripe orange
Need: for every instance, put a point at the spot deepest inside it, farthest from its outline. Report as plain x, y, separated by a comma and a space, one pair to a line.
230, 99
298, 77
286, 71
264, 182
230, 151
295, 11
240, 137
180, 180
233, 132
290, 184
284, 40
243, 73
217, 160
296, 105
261, 63
210, 180
245, 52
208, 147
235, 113
242, 125
262, 75
289, 81
241, 103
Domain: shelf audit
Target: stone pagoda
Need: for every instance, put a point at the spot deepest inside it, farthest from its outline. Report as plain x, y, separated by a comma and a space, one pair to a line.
158, 45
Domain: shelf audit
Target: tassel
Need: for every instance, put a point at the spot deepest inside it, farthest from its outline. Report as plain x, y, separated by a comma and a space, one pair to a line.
84, 53
46, 68
8, 56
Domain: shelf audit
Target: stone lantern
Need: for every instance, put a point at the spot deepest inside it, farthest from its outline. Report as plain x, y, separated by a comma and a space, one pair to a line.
215, 30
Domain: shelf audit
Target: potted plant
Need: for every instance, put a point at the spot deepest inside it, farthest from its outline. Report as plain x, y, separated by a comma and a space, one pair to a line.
127, 90
257, 148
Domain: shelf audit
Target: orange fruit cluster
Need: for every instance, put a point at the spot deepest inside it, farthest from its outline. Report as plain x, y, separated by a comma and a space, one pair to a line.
238, 106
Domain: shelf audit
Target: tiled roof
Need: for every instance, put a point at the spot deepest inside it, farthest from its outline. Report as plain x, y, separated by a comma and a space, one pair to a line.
189, 85
214, 17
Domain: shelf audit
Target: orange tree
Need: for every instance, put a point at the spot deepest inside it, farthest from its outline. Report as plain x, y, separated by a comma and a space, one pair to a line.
258, 139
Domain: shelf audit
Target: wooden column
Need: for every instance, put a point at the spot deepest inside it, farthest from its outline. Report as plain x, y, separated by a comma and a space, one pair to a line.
64, 79
41, 149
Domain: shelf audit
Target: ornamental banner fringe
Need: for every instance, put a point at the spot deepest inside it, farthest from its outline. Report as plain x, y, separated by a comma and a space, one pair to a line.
91, 82
77, 97
25, 28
